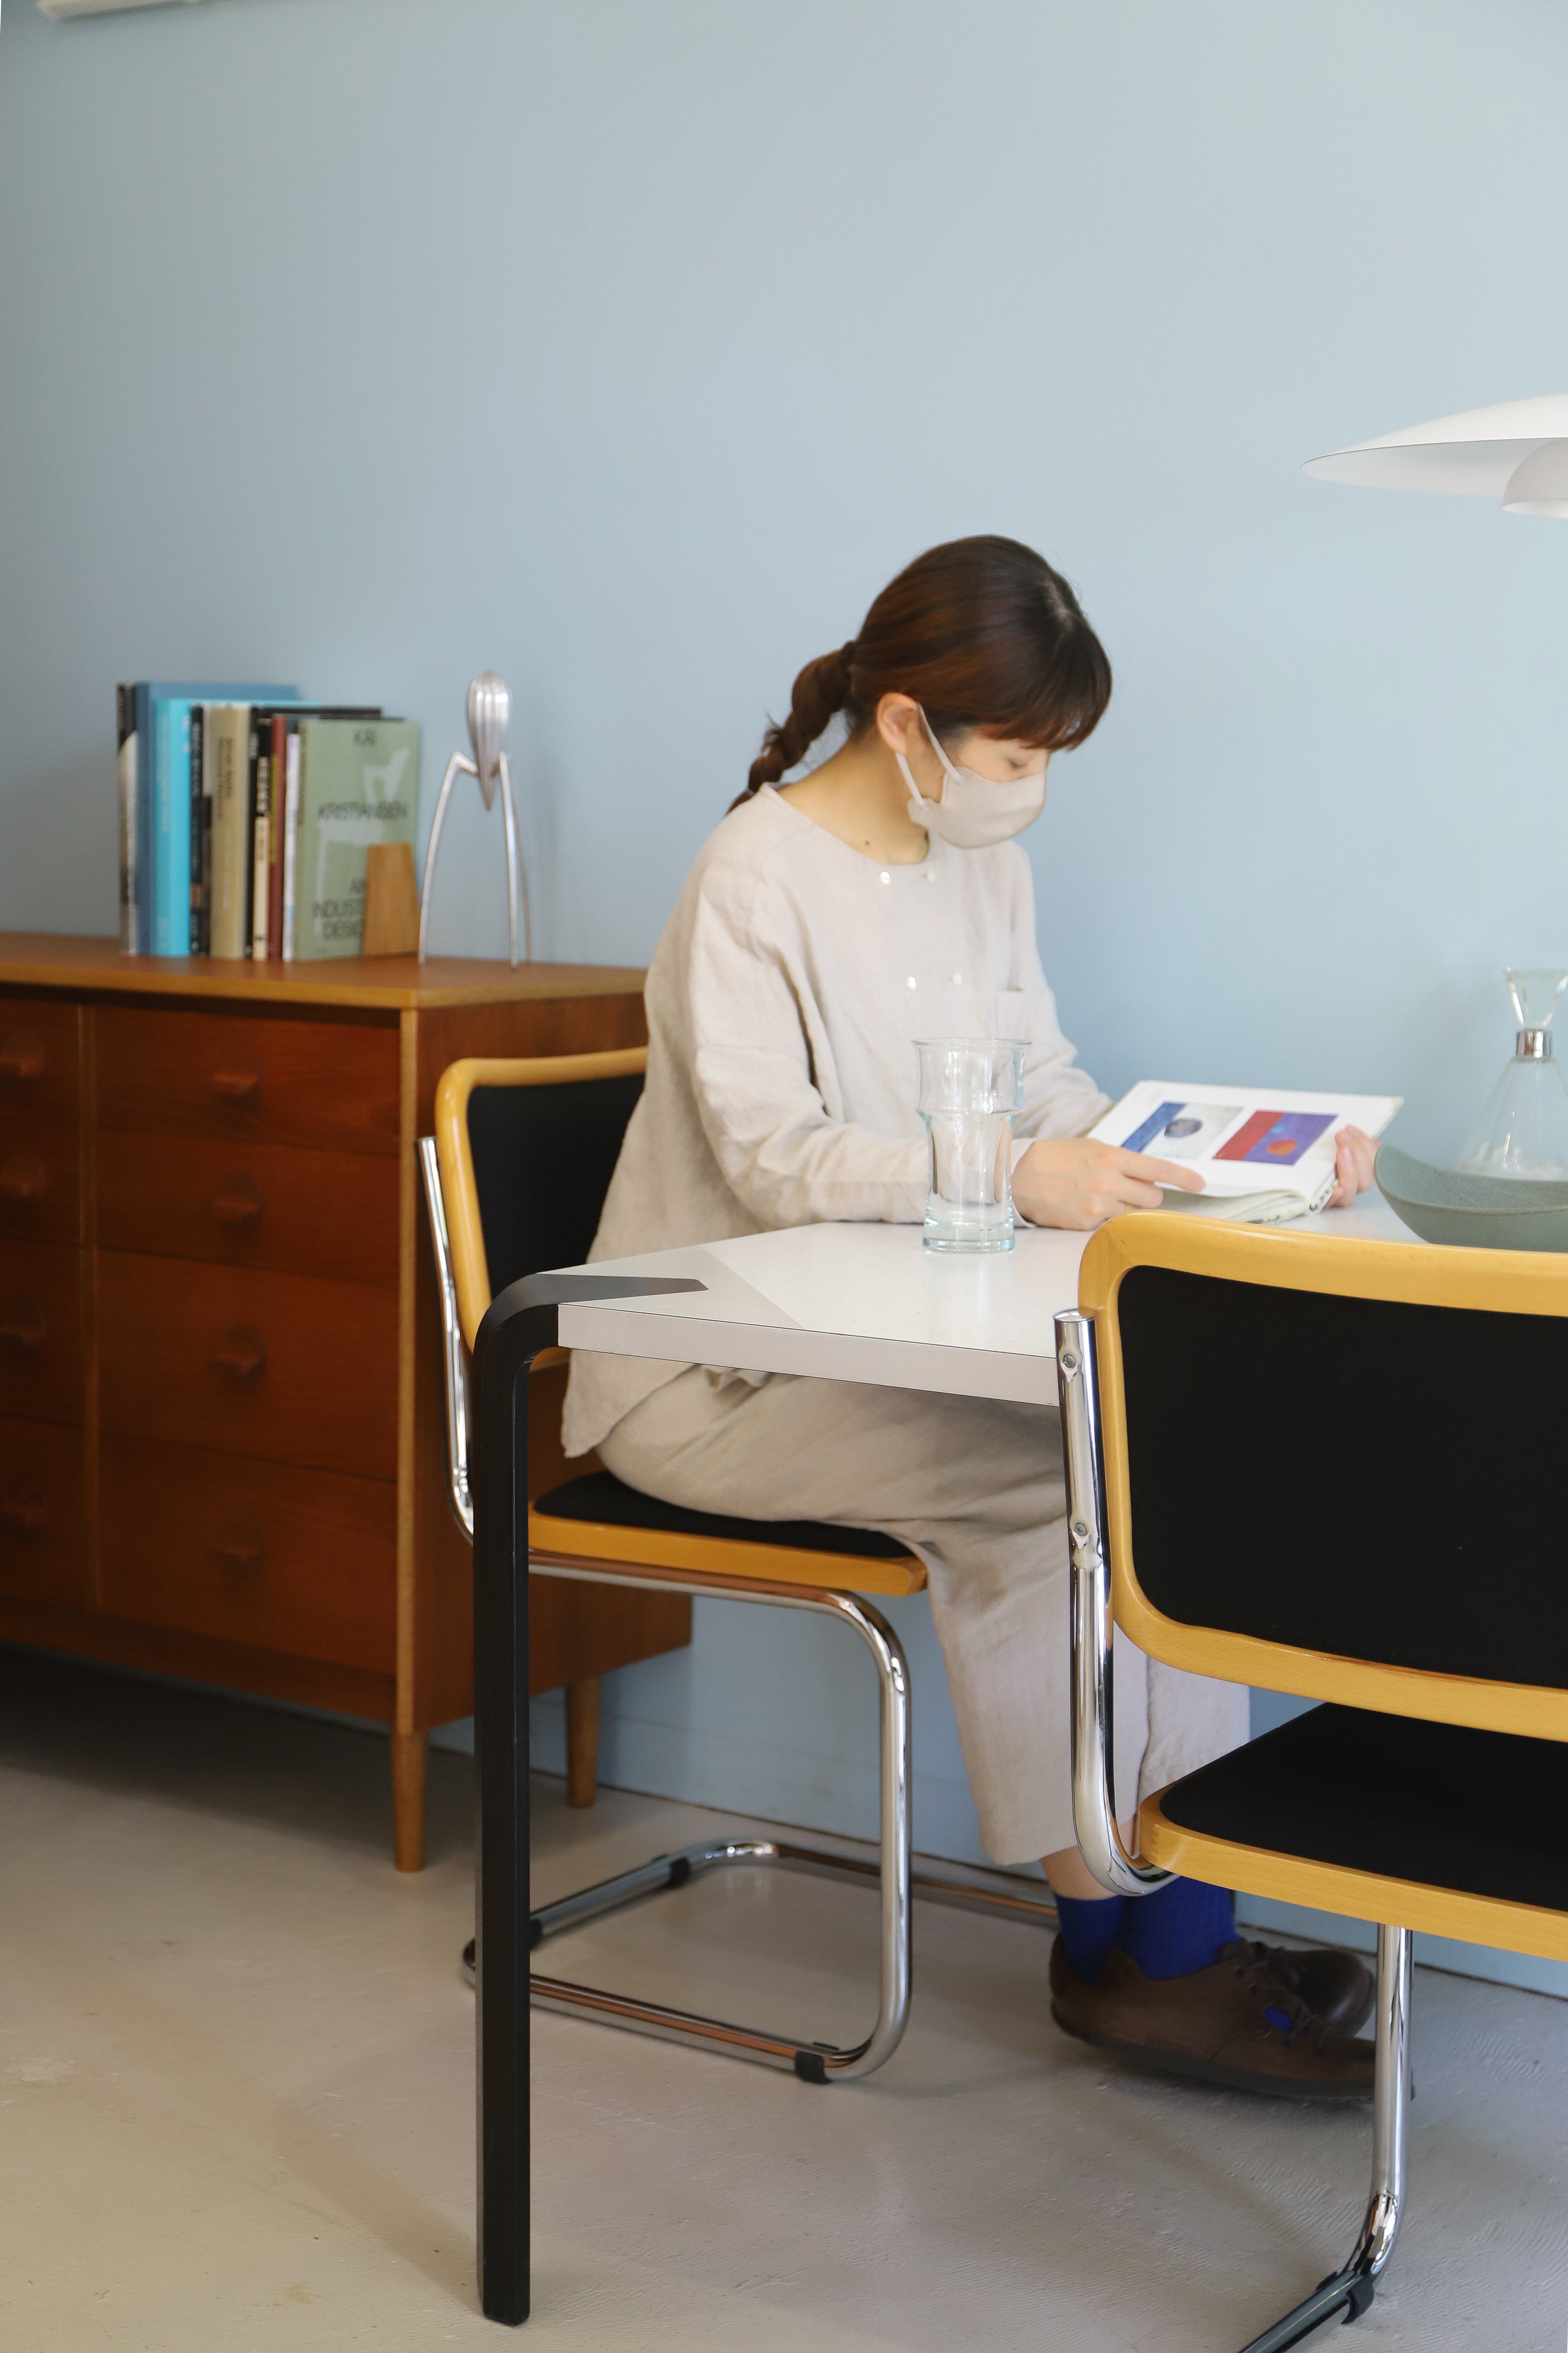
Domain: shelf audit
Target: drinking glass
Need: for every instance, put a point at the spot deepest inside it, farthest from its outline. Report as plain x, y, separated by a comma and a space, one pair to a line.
970, 1090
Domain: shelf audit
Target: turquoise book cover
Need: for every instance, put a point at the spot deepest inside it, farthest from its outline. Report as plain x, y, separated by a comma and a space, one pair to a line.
163, 723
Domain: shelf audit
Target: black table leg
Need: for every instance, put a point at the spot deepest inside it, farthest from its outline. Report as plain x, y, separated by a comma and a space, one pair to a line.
520, 1322
500, 1743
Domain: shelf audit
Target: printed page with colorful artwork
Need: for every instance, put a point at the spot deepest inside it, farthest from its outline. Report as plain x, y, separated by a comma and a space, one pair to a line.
1263, 1153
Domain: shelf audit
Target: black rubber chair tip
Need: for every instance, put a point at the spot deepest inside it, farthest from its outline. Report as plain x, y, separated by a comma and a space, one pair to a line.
1358, 2298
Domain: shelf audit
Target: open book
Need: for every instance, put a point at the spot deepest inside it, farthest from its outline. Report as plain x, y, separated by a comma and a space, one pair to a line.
1264, 1153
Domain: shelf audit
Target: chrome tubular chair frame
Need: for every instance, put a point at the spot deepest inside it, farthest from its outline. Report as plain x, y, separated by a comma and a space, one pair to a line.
455, 1354
815, 2063
1348, 2292
1093, 1743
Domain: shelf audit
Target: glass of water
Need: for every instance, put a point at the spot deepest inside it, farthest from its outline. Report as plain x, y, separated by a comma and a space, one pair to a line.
970, 1090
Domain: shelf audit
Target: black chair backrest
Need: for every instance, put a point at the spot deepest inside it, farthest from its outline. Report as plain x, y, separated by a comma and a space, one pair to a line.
543, 1157
1369, 1478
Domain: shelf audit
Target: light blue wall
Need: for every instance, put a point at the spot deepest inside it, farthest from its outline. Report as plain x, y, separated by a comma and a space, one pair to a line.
630, 346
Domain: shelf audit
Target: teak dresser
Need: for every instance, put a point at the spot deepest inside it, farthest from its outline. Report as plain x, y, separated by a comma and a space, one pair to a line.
222, 1442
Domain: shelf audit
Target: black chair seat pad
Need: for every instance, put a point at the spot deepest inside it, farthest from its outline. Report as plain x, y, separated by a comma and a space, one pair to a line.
600, 1496
1480, 1812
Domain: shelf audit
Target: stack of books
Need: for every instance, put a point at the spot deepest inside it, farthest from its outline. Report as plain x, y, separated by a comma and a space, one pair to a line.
246, 814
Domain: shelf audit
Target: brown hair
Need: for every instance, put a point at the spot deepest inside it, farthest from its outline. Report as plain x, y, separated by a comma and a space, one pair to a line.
981, 634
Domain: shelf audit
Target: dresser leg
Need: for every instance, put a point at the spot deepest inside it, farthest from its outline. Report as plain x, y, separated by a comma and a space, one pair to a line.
409, 1751
583, 1741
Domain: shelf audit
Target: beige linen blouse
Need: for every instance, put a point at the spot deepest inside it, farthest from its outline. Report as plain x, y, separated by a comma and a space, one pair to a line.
782, 1003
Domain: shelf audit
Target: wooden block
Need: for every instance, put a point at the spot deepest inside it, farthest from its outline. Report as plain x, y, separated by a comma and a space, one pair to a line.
391, 900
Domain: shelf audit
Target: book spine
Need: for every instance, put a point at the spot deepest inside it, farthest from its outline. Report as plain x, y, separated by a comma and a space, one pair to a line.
291, 839
157, 781
144, 698
280, 730
205, 879
230, 730
172, 827
194, 864
258, 808
131, 940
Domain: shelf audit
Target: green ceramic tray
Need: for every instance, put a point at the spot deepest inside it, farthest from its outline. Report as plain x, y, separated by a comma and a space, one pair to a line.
1478, 1212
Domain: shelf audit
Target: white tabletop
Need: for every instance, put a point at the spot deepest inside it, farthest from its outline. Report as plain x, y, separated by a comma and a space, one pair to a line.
868, 1302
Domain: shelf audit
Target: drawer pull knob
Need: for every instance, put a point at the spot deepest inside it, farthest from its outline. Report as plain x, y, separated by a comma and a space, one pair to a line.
21, 1055
240, 1203
23, 1323
240, 1354
23, 1512
240, 1548
23, 1177
236, 1080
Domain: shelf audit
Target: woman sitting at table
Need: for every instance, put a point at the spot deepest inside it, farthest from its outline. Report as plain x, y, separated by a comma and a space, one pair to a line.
826, 924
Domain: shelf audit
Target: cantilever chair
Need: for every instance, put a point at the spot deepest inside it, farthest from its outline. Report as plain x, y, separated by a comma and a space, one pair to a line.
1327, 1467
515, 1178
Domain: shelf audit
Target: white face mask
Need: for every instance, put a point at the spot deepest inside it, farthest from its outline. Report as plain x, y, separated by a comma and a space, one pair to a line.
975, 811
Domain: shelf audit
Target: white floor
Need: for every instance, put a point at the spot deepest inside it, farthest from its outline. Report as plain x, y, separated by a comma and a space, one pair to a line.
236, 2078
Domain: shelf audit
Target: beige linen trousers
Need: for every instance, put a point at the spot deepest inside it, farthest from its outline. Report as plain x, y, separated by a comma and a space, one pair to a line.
975, 1489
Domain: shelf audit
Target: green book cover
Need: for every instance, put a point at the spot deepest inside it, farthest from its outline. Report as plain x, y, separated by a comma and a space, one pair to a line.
359, 784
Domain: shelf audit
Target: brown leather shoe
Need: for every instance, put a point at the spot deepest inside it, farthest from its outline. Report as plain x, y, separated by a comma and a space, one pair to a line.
1236, 2023
1335, 1986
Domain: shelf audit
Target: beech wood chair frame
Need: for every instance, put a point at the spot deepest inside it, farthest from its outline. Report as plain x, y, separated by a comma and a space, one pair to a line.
1106, 1590
831, 1583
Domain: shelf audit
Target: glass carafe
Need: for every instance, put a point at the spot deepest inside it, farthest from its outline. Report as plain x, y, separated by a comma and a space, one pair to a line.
1523, 1130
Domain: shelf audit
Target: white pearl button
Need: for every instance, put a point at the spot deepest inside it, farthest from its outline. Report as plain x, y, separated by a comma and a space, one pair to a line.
958, 980
911, 982
930, 874
887, 876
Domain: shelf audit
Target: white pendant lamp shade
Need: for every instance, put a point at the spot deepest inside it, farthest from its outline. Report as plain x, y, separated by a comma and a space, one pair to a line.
1540, 485
1516, 450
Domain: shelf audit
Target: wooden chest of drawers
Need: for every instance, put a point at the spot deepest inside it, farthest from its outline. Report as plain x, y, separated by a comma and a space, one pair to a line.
221, 1429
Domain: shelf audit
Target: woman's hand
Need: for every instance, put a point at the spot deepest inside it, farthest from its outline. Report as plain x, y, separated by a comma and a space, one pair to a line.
1074, 1181
1354, 1154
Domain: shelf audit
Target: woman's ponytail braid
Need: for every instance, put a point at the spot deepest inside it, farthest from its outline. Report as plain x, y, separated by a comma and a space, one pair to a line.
823, 690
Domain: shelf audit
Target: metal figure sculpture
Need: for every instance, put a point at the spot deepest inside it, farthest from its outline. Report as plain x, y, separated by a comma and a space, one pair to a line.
490, 713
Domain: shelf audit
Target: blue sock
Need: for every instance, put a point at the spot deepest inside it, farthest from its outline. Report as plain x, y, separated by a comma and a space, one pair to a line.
1089, 1926
1178, 1929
